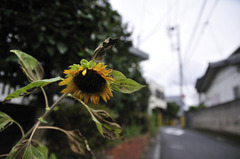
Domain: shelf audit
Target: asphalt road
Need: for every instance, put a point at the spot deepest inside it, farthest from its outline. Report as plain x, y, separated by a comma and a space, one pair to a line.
177, 143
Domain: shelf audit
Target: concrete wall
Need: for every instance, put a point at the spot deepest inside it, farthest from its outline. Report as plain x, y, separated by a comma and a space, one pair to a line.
223, 118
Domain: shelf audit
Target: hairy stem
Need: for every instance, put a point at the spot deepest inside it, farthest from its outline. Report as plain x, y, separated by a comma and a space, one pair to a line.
45, 97
33, 129
53, 127
20, 127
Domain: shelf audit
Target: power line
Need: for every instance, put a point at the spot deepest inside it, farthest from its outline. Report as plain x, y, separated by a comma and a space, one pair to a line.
141, 22
219, 48
201, 32
195, 28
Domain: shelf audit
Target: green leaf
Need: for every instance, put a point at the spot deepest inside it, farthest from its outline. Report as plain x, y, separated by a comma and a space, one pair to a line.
117, 75
79, 144
25, 151
110, 128
44, 150
123, 84
30, 66
30, 88
126, 85
105, 124
5, 121
32, 153
17, 151
98, 124
53, 156
62, 48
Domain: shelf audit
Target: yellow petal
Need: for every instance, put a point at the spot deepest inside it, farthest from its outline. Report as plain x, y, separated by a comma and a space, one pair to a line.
66, 81
104, 97
84, 72
86, 97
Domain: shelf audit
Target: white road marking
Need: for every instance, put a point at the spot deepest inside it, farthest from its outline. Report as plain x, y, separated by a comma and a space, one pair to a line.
174, 131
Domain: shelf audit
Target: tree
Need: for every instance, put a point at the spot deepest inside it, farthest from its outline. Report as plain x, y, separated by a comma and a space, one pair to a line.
172, 110
59, 33
195, 108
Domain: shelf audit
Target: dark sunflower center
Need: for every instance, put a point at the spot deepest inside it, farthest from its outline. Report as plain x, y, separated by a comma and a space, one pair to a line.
92, 82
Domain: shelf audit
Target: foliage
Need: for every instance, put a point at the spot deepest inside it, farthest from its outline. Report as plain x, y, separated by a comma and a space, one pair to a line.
153, 124
106, 126
172, 110
195, 108
59, 33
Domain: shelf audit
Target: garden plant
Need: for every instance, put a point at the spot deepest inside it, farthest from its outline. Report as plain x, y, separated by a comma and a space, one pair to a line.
88, 81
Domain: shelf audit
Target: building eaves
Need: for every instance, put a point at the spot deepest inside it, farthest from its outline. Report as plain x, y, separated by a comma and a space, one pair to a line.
205, 81
142, 55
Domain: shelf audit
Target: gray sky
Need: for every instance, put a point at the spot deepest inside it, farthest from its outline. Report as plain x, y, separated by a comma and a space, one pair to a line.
209, 31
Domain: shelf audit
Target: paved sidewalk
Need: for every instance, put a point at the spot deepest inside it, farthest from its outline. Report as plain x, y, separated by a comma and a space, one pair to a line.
154, 148
130, 149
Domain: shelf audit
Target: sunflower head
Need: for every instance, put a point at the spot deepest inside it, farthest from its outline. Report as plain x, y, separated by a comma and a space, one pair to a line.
89, 80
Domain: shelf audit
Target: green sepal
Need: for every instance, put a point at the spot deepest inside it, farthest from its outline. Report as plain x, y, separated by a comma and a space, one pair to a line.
83, 62
87, 64
74, 67
30, 88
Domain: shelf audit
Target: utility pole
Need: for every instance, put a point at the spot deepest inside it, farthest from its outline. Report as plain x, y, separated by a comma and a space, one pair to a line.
177, 48
180, 61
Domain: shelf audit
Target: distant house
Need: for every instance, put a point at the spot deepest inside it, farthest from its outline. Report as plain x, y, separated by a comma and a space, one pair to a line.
139, 53
221, 82
157, 98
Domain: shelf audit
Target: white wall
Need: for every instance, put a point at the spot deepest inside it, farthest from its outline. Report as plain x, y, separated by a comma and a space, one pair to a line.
154, 101
7, 90
221, 89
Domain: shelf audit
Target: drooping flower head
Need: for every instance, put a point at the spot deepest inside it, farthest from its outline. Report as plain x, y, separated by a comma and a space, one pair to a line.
90, 80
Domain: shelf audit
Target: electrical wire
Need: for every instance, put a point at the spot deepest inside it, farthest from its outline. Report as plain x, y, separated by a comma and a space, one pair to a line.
193, 34
201, 33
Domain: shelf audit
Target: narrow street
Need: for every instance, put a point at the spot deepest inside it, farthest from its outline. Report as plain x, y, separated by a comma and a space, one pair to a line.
179, 143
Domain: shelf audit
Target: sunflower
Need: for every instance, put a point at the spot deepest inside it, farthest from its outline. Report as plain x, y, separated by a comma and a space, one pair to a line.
89, 81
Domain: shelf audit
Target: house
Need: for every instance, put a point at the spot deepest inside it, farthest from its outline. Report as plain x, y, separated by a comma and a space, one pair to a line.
221, 82
139, 53
157, 98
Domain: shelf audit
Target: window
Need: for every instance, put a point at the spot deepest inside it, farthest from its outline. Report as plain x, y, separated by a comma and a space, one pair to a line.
236, 91
159, 94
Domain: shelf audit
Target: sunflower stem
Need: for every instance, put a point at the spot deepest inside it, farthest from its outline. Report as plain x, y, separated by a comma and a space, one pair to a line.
20, 127
45, 97
33, 129
54, 128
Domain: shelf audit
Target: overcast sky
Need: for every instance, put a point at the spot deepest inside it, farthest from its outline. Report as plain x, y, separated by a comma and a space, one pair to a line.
209, 32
